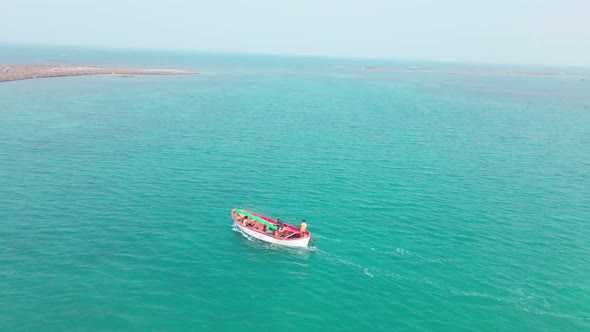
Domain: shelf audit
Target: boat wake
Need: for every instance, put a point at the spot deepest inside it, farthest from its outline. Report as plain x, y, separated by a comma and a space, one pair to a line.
325, 238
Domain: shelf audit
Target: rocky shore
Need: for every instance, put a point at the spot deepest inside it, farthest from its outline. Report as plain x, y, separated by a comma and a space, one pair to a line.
23, 72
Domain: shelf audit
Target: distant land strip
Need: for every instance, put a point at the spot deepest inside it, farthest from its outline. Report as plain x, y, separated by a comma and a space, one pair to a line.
475, 71
23, 72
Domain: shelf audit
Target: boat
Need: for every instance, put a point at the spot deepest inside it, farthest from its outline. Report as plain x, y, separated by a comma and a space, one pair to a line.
266, 229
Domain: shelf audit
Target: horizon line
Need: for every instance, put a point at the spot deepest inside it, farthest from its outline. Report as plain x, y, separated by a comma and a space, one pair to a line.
282, 54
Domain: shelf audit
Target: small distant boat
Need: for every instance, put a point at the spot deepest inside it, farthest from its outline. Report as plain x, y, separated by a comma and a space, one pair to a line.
266, 229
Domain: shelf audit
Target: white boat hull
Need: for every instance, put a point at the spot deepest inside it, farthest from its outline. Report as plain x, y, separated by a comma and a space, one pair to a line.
296, 243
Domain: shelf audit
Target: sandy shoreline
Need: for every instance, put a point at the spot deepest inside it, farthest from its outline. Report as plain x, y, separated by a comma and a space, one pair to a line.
23, 72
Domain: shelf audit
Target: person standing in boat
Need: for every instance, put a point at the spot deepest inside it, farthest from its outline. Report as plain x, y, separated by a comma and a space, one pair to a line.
280, 228
279, 225
302, 228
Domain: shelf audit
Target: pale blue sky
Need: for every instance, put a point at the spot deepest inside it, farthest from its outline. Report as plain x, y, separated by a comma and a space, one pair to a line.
500, 31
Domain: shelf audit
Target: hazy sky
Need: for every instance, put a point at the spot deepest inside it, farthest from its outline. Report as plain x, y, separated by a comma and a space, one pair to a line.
500, 31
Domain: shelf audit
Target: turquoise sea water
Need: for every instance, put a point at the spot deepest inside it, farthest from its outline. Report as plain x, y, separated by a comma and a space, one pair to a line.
440, 201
